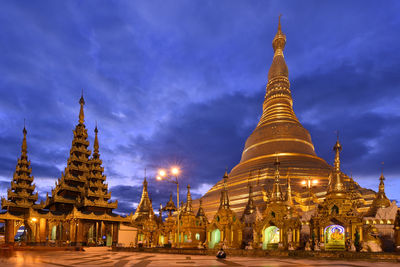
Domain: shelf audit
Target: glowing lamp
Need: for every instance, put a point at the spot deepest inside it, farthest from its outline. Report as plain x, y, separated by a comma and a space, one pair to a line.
159, 178
175, 171
315, 181
162, 173
34, 219
303, 182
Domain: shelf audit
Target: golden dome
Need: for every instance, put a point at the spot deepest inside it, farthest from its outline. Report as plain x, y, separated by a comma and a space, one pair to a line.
278, 134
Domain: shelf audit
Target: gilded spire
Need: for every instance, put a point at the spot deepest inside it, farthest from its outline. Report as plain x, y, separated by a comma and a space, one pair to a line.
188, 207
380, 200
145, 208
81, 114
276, 190
96, 141
278, 66
289, 192
24, 147
200, 212
336, 184
224, 201
250, 207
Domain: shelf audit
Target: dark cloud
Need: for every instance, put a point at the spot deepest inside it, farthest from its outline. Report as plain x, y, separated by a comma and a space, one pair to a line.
184, 85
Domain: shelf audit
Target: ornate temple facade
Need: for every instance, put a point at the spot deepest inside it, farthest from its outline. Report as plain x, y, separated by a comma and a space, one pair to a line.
79, 210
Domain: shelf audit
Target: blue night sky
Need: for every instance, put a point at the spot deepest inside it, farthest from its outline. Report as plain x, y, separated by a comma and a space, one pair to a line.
182, 82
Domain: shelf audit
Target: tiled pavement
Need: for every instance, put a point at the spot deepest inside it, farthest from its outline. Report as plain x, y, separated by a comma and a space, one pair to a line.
104, 257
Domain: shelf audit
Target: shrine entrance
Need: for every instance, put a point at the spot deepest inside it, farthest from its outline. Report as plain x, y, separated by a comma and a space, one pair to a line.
215, 238
334, 237
271, 237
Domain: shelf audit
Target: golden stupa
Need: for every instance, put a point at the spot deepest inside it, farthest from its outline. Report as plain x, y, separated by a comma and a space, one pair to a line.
278, 134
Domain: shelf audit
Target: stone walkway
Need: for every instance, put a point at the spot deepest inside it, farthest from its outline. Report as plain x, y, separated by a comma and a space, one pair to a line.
105, 257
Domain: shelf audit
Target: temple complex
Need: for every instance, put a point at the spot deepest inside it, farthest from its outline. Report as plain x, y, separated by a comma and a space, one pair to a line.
79, 210
280, 195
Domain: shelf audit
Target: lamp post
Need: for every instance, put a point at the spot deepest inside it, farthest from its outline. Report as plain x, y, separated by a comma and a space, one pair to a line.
309, 184
172, 178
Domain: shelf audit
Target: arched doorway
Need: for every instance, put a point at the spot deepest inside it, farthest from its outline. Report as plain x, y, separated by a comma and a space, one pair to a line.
215, 238
334, 237
271, 237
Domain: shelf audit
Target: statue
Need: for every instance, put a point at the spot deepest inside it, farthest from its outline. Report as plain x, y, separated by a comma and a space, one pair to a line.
308, 246
317, 246
351, 247
291, 246
372, 241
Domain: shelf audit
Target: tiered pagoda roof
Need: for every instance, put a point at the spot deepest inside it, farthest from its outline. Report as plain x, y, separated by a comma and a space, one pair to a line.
20, 196
70, 189
97, 195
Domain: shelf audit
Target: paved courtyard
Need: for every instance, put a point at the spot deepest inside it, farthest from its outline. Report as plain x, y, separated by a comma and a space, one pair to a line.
105, 257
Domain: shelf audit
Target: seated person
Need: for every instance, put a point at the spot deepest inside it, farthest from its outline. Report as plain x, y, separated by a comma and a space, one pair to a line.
221, 254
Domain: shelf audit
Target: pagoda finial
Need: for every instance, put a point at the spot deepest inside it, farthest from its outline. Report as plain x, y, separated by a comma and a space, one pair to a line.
279, 41
24, 145
276, 190
224, 200
96, 140
81, 113
289, 191
381, 183
188, 207
337, 148
336, 185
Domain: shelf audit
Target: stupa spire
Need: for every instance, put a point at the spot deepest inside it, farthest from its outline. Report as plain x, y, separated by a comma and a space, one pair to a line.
200, 212
224, 200
289, 197
277, 194
81, 113
250, 207
144, 208
96, 141
336, 184
20, 194
380, 200
188, 207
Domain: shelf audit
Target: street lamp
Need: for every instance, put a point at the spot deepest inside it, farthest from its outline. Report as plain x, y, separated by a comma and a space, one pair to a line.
172, 178
309, 184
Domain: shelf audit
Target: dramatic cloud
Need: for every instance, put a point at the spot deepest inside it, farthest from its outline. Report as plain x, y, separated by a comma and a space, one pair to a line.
182, 83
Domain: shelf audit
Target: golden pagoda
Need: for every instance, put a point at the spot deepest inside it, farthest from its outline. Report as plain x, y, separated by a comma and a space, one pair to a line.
144, 219
278, 133
70, 189
77, 213
20, 196
225, 230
